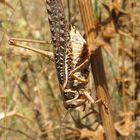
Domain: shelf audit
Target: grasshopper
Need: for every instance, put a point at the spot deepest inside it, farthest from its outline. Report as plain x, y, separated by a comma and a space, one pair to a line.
70, 55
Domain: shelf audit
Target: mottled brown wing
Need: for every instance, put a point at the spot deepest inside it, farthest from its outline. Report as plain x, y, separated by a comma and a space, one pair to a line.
77, 43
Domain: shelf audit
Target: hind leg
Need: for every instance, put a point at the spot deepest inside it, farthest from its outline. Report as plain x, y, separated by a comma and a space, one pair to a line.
45, 53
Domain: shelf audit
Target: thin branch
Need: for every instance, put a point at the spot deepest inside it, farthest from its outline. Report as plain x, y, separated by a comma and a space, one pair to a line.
18, 131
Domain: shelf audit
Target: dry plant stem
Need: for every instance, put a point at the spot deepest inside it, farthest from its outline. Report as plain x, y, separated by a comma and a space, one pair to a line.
69, 17
123, 83
97, 69
53, 96
18, 131
41, 122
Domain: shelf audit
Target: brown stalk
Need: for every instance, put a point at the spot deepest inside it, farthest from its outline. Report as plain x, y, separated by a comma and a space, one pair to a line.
90, 22
123, 87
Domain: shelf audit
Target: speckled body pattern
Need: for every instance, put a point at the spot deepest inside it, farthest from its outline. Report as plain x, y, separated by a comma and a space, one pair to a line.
67, 55
60, 37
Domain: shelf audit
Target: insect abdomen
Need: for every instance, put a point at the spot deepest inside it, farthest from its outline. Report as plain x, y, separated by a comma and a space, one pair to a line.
60, 36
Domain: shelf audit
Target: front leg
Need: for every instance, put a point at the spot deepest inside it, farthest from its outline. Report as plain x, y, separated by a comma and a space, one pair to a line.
82, 80
79, 67
72, 73
101, 100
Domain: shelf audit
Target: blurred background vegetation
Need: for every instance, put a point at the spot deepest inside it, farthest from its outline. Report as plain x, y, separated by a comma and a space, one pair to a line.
30, 101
